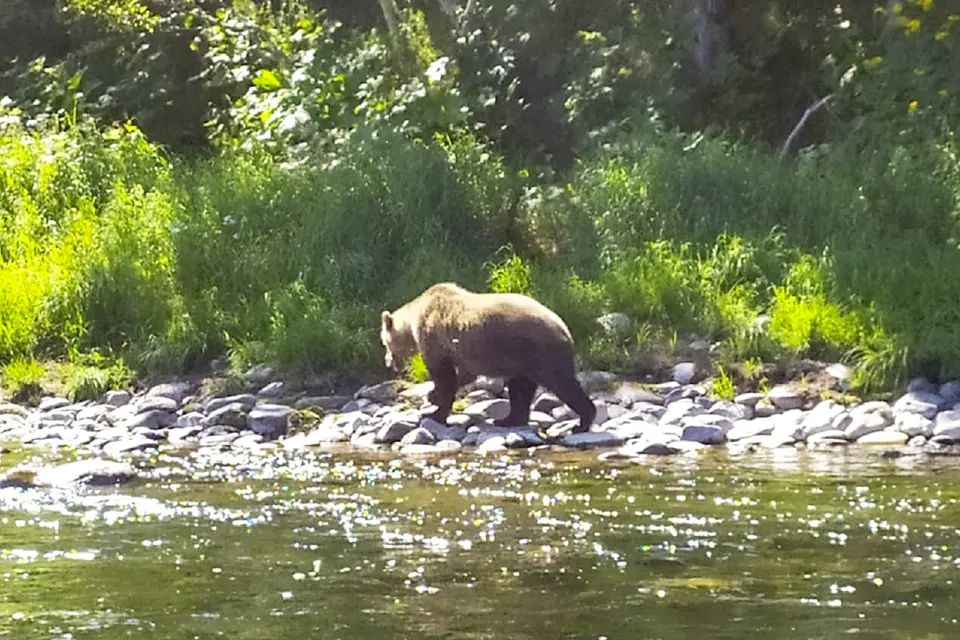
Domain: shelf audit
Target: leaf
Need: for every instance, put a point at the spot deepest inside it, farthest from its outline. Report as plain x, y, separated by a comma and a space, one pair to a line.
267, 79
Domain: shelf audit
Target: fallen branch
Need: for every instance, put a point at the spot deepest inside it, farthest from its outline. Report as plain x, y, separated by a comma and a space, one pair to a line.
803, 120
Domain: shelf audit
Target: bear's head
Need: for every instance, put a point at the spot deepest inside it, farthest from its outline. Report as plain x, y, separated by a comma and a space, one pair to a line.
397, 338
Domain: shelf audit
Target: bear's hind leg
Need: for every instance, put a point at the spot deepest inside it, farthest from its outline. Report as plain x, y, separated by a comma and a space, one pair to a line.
569, 391
521, 390
444, 376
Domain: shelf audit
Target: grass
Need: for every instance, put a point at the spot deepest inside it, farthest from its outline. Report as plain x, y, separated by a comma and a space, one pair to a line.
108, 246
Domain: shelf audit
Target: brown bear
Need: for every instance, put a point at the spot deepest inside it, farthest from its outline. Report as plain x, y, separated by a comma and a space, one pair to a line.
461, 334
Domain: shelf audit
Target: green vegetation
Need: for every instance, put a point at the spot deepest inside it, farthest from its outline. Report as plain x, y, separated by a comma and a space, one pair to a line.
260, 183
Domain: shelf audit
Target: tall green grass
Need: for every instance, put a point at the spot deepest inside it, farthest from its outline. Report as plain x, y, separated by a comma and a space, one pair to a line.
109, 247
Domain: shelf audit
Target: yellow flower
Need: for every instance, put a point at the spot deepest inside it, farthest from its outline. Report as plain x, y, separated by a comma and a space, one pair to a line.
941, 35
912, 26
926, 5
942, 93
897, 7
913, 105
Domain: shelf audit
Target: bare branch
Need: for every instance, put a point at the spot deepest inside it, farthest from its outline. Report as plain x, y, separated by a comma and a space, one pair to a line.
806, 114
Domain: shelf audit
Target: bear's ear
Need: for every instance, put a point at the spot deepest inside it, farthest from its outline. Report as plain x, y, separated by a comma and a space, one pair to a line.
387, 320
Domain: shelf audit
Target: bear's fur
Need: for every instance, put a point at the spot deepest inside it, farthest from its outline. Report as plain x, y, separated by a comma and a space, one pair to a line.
461, 335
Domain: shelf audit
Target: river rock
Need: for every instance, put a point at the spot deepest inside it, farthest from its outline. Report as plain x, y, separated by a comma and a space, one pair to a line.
93, 472
394, 427
93, 412
731, 410
703, 433
156, 403
10, 409
602, 414
491, 444
864, 424
117, 398
827, 436
751, 428
418, 435
748, 399
684, 372
787, 428
592, 439
177, 391
446, 446
636, 427
649, 447
127, 445
271, 390
418, 449
43, 433
248, 441
381, 393
233, 414
327, 403
541, 420
50, 403
442, 432
914, 424
182, 434
219, 439
821, 417
677, 411
351, 422
269, 420
784, 398
652, 412
764, 409
496, 409
154, 419
244, 400
691, 391
546, 402
884, 437
192, 419
877, 407
514, 440
922, 402
950, 391
325, 434
217, 430
947, 424
58, 416
629, 394
529, 437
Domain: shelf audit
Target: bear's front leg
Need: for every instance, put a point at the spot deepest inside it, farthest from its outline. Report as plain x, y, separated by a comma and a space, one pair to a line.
444, 376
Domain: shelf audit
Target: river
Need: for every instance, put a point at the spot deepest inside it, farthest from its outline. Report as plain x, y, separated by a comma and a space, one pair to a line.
783, 543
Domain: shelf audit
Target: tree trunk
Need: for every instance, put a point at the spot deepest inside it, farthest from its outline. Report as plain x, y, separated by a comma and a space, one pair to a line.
706, 22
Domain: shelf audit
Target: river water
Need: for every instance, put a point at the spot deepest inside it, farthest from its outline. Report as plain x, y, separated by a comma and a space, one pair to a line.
775, 544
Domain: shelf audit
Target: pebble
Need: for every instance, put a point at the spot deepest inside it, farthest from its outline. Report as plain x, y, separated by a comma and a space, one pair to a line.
495, 409
93, 471
592, 439
782, 397
269, 420
885, 436
394, 427
633, 420
117, 398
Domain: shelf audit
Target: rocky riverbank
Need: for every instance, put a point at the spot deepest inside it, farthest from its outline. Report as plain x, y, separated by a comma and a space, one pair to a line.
634, 421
